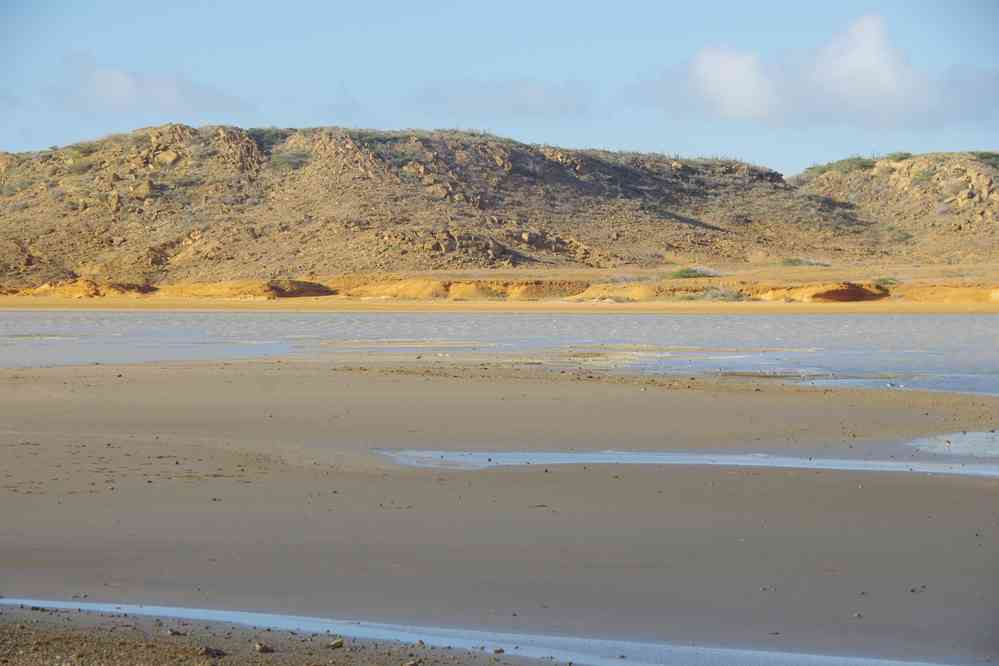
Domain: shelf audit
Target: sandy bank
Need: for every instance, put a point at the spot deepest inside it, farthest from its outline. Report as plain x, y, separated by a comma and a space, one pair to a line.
346, 304
735, 289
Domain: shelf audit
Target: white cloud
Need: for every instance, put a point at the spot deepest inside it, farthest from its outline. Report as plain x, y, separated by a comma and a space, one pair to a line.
860, 71
733, 83
98, 89
858, 78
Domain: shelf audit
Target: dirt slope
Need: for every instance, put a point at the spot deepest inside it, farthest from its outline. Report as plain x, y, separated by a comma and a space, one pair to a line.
175, 204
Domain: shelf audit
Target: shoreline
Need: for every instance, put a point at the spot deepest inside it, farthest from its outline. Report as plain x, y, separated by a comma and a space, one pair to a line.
470, 645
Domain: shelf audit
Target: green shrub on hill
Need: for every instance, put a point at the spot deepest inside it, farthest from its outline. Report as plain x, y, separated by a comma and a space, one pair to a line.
268, 137
992, 159
848, 165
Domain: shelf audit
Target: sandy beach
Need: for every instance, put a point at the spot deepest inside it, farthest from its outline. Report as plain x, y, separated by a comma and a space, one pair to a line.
252, 485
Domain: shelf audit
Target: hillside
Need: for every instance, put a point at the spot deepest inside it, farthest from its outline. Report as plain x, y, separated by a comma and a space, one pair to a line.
175, 204
939, 207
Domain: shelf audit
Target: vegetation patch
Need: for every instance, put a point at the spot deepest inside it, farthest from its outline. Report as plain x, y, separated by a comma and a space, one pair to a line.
849, 165
83, 149
798, 261
924, 177
290, 160
268, 137
885, 283
893, 234
12, 187
992, 159
203, 151
80, 167
189, 180
687, 273
715, 294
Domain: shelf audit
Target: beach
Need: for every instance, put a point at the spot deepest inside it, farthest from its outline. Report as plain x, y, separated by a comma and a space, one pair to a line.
256, 485
340, 334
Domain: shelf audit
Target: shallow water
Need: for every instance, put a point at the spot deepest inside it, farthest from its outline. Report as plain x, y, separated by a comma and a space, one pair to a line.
595, 652
473, 460
970, 444
939, 352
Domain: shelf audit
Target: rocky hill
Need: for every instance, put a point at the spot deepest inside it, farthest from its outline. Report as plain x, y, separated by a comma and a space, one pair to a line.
940, 207
176, 204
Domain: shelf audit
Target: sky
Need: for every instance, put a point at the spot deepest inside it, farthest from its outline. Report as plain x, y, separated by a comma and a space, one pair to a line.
783, 84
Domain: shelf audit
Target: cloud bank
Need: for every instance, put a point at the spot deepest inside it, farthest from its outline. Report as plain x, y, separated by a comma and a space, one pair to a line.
858, 78
93, 88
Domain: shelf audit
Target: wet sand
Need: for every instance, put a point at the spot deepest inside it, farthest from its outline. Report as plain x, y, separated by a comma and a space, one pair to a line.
251, 485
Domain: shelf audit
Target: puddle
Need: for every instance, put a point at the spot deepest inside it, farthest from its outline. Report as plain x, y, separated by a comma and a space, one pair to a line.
596, 652
972, 444
475, 460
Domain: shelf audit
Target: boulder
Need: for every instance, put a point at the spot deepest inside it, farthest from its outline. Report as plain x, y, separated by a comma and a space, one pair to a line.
167, 157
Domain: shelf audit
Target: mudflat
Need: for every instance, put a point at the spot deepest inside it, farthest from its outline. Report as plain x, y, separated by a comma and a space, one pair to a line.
252, 485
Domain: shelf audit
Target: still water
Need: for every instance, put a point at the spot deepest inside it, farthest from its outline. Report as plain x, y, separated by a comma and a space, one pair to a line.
941, 352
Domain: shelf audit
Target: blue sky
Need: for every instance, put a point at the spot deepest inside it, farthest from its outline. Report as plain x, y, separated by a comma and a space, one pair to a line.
784, 84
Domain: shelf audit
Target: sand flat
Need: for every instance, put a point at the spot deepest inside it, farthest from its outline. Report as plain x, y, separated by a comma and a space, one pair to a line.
251, 485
